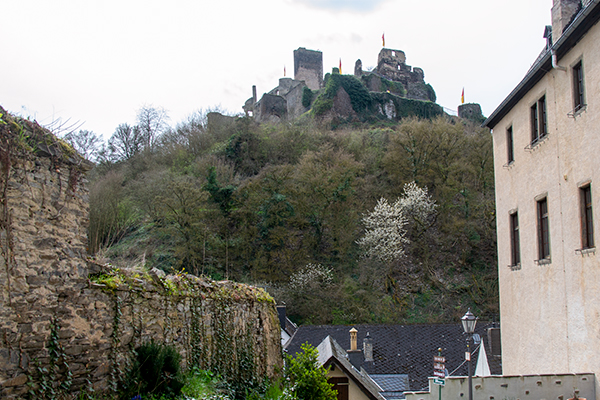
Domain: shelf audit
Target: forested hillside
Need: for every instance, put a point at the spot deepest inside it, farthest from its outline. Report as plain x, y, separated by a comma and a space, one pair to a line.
286, 207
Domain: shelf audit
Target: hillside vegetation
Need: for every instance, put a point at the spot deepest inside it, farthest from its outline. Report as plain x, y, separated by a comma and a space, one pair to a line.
283, 207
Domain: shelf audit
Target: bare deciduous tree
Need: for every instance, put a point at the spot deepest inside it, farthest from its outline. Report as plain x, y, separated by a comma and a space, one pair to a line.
87, 143
126, 142
151, 121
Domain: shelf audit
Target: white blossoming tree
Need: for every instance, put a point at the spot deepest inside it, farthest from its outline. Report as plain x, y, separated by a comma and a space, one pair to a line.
385, 235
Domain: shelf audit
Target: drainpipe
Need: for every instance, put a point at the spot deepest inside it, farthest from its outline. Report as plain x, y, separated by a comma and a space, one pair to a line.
555, 61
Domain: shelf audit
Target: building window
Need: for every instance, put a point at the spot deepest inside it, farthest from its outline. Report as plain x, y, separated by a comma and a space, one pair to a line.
515, 253
587, 222
543, 229
341, 386
538, 120
510, 145
578, 101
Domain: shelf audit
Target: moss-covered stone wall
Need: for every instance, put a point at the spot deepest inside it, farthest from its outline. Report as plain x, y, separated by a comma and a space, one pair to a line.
68, 324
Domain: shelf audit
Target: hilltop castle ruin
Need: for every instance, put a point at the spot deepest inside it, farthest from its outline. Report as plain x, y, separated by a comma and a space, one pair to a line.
392, 75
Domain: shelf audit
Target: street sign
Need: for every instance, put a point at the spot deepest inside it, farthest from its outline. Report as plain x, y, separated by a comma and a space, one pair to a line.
467, 356
439, 374
439, 371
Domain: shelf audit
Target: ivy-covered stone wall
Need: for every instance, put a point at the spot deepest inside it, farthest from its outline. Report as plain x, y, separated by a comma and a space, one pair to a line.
229, 328
67, 324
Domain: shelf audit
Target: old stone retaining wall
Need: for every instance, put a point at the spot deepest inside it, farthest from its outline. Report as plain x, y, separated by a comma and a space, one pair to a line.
70, 324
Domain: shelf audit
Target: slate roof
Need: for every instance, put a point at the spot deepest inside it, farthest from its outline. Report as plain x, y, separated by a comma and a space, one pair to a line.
393, 386
391, 382
402, 349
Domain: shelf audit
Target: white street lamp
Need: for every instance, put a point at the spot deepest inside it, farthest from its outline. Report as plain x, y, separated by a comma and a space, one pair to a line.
468, 322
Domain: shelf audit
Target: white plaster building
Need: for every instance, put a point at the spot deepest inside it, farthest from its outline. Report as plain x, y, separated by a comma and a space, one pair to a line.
546, 137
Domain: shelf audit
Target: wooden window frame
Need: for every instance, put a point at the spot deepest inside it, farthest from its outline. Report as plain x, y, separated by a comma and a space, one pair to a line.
510, 145
515, 250
341, 385
578, 87
534, 123
587, 217
539, 120
543, 229
543, 117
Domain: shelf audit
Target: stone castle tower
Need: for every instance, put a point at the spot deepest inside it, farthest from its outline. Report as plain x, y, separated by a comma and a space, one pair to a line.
308, 67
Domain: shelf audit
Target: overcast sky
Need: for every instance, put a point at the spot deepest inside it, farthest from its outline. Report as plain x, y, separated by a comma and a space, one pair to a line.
98, 62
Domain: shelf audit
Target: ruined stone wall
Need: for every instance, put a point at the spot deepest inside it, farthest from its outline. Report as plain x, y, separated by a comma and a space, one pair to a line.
292, 91
270, 108
225, 327
391, 64
471, 111
79, 327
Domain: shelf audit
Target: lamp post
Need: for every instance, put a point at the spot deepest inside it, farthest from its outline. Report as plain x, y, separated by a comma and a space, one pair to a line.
468, 322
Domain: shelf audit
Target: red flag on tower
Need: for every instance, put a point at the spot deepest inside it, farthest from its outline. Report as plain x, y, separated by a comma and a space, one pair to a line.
462, 97
284, 70
383, 39
340, 66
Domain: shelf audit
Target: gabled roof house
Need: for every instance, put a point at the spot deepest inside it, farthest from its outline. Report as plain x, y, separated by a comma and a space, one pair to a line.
397, 358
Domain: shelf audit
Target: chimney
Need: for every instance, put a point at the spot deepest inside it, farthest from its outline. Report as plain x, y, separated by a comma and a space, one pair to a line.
548, 36
353, 345
563, 12
368, 348
253, 94
355, 356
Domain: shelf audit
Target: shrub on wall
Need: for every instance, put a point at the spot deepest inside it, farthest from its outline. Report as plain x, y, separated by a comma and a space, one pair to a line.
322, 105
396, 88
408, 107
307, 96
358, 93
430, 93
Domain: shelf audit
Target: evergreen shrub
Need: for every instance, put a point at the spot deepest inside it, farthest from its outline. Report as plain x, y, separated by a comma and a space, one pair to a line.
155, 370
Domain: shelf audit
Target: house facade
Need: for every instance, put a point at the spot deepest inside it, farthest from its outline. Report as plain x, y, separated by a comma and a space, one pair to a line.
546, 137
